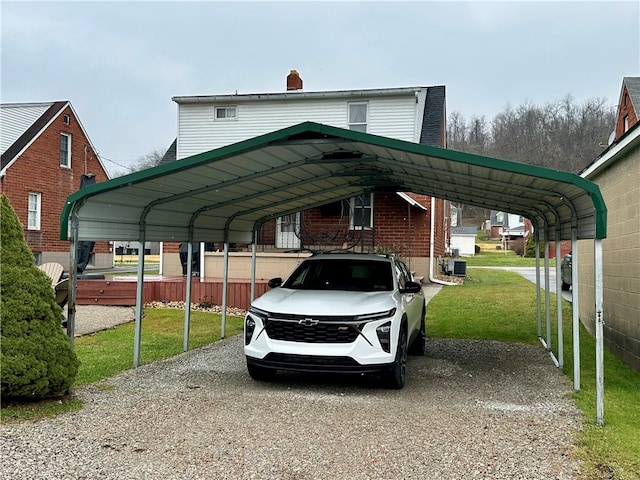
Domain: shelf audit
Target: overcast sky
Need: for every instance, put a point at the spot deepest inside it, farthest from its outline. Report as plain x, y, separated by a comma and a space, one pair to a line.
119, 63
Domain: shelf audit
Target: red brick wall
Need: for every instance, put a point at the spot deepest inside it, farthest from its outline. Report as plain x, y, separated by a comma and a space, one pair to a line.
38, 170
400, 226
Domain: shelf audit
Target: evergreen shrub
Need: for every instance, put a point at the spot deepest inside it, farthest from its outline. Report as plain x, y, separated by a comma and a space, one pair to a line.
35, 354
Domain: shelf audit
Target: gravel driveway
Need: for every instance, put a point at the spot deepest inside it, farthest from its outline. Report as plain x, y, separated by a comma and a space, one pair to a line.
471, 409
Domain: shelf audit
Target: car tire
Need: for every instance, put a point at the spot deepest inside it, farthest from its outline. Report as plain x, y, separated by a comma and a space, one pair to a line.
397, 376
418, 346
565, 286
260, 374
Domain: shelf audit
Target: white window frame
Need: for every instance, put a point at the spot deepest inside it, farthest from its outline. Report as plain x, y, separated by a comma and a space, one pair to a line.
358, 126
34, 210
226, 109
355, 204
67, 163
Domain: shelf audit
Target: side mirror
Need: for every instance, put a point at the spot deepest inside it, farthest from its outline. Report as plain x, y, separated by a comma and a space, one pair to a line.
411, 287
274, 282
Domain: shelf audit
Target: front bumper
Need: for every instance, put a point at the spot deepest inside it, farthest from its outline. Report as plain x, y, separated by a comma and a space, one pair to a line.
362, 355
316, 363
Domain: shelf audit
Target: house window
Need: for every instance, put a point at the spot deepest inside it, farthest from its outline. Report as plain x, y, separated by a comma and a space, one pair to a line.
362, 212
33, 220
358, 116
626, 123
65, 150
226, 113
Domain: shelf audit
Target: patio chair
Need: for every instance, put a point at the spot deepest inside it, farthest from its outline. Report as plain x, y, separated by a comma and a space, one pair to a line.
53, 270
60, 285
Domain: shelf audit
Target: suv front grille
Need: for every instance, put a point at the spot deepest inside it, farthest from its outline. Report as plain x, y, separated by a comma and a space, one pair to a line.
326, 330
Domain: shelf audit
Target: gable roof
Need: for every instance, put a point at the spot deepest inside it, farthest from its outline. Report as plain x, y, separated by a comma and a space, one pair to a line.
22, 123
434, 117
225, 194
633, 87
170, 155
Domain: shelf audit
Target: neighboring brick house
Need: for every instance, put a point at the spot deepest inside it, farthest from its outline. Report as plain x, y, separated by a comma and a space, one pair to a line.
617, 172
628, 105
45, 154
399, 222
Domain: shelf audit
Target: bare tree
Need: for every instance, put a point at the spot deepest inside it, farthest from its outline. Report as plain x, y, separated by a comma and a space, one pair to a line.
149, 160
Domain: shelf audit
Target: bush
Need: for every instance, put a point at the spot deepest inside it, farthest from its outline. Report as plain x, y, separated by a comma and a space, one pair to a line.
517, 246
530, 250
36, 356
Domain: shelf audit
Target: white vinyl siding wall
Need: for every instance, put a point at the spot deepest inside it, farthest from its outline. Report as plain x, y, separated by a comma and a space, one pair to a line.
198, 132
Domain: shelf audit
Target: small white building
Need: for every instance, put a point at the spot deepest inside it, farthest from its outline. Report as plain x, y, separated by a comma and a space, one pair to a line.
463, 241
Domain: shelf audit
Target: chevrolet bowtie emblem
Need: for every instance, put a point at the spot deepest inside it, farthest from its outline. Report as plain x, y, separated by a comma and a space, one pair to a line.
308, 322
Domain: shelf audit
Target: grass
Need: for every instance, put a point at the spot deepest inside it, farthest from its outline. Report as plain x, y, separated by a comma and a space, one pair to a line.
500, 305
490, 257
162, 337
132, 260
109, 352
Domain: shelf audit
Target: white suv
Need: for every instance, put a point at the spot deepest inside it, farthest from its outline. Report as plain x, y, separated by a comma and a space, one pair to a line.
352, 313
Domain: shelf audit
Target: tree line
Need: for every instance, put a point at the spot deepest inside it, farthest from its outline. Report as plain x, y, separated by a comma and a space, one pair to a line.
561, 135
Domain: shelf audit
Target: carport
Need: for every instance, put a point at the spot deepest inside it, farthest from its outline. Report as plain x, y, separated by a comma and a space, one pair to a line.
225, 195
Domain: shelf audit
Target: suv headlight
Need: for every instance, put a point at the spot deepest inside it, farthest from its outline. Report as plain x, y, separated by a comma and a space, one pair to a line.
376, 316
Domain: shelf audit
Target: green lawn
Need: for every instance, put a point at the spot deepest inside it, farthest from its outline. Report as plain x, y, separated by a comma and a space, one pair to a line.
478, 309
504, 258
162, 337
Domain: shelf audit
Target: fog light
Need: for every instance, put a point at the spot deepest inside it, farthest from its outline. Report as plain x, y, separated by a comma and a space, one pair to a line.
249, 327
384, 336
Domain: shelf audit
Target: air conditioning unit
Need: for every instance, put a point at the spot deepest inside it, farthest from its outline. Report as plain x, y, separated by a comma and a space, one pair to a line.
457, 267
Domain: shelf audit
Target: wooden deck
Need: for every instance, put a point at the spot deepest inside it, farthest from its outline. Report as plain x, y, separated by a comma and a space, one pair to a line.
121, 290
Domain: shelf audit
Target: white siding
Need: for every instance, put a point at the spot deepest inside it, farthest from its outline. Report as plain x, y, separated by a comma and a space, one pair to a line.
199, 132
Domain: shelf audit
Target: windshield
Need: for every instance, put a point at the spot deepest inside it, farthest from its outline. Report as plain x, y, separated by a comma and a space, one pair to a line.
342, 274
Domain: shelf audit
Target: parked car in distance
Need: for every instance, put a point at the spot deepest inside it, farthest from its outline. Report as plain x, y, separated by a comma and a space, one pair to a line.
338, 312
565, 271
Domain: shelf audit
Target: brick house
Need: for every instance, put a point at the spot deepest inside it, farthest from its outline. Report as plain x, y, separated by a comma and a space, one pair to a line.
399, 222
617, 173
45, 155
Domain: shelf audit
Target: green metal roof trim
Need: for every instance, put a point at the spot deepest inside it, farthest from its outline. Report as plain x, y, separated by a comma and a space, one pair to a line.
220, 195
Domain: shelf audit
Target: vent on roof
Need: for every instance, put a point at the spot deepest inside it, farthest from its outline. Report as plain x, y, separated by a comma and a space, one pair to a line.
66, 119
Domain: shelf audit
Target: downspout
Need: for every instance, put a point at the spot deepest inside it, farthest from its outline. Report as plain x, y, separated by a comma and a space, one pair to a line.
432, 237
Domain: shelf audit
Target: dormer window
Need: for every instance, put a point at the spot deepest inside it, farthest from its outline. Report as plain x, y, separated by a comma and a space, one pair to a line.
226, 113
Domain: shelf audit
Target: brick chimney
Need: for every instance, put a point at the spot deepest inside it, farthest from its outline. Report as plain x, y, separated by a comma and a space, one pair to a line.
294, 82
